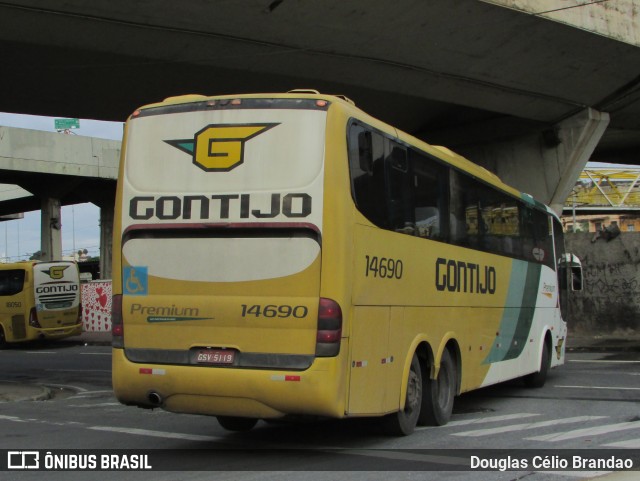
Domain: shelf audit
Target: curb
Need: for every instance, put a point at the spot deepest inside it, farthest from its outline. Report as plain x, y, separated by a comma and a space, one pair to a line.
15, 392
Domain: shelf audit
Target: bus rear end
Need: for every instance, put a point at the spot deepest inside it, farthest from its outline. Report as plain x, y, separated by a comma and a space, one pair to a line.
217, 306
57, 312
40, 300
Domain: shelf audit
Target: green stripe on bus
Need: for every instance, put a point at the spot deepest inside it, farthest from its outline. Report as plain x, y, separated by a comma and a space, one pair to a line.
516, 322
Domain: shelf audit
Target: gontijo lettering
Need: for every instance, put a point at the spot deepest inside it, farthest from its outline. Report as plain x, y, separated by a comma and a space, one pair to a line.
292, 205
57, 288
460, 276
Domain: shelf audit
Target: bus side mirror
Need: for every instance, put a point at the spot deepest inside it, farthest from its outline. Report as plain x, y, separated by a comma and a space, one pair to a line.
574, 266
576, 278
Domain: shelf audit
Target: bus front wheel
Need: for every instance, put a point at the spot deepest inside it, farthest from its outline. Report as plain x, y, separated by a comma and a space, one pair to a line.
234, 423
537, 379
403, 422
437, 401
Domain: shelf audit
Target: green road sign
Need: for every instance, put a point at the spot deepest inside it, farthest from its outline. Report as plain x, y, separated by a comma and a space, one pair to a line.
64, 124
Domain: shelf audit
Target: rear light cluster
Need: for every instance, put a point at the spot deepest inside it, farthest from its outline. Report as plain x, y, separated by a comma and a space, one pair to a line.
33, 318
117, 327
329, 328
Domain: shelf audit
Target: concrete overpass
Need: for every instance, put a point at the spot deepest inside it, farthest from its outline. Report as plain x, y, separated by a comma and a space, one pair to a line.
530, 98
52, 170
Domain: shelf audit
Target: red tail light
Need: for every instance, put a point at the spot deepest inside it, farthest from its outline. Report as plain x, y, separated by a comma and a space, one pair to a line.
33, 318
329, 331
117, 327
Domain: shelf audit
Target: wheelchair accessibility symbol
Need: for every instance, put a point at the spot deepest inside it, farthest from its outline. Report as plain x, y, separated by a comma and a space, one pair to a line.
135, 281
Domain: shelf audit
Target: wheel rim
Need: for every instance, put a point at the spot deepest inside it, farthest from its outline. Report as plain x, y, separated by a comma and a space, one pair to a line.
443, 386
414, 392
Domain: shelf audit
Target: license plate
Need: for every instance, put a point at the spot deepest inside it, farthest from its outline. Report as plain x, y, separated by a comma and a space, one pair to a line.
216, 356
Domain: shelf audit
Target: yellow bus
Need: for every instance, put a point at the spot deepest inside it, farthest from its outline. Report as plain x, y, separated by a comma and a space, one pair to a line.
288, 254
39, 300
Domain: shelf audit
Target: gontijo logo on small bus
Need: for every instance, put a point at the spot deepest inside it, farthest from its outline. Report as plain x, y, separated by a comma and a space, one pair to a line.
55, 272
219, 147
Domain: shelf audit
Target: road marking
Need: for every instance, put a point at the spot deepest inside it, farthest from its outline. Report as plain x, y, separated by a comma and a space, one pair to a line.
631, 443
79, 389
13, 418
87, 393
576, 474
78, 370
580, 433
522, 427
155, 434
93, 405
41, 352
616, 388
605, 361
488, 419
399, 455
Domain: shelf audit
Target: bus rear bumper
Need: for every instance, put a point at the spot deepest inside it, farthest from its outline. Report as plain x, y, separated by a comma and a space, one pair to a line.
231, 392
56, 332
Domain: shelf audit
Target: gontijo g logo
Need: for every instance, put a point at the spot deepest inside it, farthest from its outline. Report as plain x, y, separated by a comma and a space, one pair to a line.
56, 272
219, 147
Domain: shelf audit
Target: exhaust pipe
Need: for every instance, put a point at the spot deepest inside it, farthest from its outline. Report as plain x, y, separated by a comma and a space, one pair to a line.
154, 398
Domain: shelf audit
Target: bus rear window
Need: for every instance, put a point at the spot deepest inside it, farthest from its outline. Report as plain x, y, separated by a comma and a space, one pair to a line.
11, 282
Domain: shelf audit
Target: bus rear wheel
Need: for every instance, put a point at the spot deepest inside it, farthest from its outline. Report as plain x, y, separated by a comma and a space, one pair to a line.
403, 422
437, 401
3, 339
537, 379
234, 423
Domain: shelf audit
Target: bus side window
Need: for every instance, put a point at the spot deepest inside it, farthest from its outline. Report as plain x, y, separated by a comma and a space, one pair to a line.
366, 166
11, 282
430, 204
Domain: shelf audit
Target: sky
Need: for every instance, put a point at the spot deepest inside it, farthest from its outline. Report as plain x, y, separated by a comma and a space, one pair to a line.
20, 238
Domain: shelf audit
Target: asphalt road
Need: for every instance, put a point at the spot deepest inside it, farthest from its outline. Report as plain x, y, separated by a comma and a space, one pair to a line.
592, 402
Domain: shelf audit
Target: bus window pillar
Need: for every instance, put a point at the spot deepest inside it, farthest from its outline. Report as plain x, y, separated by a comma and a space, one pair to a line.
51, 229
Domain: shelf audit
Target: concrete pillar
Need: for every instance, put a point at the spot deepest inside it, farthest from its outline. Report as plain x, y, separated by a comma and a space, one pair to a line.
578, 135
545, 164
106, 246
51, 229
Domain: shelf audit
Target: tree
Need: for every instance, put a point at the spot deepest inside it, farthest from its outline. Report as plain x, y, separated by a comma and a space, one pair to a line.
37, 256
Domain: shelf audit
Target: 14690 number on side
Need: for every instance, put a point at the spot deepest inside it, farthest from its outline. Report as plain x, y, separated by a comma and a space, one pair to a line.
384, 267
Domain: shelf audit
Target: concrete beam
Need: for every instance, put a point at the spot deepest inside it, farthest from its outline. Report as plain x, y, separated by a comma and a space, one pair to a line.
547, 163
34, 151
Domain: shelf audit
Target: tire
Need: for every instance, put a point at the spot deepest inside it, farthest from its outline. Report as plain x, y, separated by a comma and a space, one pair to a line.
233, 423
438, 394
3, 339
537, 379
403, 422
